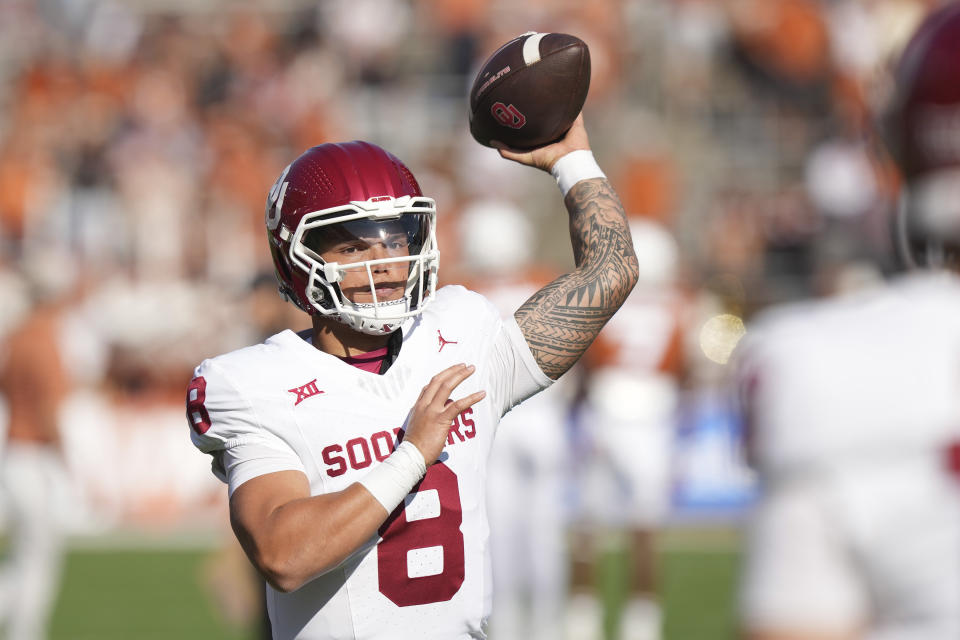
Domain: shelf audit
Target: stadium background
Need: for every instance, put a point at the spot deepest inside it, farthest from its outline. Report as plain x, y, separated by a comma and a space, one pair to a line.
138, 140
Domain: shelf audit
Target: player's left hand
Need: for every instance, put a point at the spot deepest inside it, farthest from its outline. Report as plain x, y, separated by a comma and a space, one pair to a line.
546, 156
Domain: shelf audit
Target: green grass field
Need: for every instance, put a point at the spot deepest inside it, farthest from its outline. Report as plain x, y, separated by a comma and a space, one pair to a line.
155, 594
137, 594
698, 592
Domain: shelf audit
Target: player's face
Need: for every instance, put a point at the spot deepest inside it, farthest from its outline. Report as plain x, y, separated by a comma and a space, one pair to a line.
362, 241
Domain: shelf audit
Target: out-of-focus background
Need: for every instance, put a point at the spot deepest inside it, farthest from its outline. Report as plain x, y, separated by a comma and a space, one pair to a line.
138, 141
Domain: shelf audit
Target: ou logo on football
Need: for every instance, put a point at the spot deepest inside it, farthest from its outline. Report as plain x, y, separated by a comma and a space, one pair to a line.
508, 115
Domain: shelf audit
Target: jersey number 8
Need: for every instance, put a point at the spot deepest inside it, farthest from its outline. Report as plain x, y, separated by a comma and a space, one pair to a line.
401, 536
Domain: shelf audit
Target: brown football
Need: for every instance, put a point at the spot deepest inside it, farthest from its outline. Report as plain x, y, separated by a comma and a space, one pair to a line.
529, 92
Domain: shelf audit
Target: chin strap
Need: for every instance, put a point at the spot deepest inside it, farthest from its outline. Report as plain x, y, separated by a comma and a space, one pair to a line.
393, 350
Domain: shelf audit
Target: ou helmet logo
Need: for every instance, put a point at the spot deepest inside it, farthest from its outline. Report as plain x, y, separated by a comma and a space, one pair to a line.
508, 115
275, 200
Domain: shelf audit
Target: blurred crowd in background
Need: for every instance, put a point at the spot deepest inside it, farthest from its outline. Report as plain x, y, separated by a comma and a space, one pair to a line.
139, 139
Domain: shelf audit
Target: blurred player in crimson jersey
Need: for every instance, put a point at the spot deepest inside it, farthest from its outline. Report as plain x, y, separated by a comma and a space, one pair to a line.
625, 424
854, 408
527, 470
357, 483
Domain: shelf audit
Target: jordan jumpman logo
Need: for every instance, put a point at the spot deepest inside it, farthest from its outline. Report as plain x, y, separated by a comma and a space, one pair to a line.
443, 342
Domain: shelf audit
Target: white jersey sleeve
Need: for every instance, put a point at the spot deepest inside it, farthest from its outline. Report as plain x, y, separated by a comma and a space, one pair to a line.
225, 424
514, 373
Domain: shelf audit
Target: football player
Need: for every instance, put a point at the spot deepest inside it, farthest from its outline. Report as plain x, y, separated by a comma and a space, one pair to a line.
854, 412
355, 453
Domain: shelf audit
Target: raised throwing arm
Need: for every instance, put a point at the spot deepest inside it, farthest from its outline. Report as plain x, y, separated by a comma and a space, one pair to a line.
561, 320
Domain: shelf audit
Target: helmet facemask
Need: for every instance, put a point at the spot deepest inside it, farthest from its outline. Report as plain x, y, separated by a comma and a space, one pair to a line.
928, 221
372, 264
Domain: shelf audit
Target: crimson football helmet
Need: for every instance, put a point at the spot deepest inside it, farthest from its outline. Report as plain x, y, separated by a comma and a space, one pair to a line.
352, 212
922, 127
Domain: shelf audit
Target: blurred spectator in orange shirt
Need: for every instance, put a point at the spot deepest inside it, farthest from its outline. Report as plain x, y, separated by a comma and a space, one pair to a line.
34, 382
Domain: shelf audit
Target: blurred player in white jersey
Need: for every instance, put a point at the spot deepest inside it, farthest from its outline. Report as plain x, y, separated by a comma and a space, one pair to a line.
527, 469
356, 452
626, 420
854, 409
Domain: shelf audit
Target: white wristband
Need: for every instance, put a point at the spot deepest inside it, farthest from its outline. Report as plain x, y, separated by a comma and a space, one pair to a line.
393, 478
575, 166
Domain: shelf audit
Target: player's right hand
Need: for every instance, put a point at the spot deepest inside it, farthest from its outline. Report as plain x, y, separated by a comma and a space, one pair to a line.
546, 156
434, 412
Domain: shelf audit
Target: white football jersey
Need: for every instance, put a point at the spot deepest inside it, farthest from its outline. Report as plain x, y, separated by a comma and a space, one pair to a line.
865, 376
853, 405
285, 405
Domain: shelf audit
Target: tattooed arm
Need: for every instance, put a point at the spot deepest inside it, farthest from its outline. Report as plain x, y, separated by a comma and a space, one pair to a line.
561, 320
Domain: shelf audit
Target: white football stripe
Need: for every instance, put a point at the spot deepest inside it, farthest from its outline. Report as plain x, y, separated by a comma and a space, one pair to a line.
531, 48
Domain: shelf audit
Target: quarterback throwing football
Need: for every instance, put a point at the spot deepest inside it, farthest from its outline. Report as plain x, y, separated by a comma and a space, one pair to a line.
356, 452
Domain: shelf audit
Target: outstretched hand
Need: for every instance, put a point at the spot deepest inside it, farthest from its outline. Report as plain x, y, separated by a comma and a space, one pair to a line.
546, 156
433, 413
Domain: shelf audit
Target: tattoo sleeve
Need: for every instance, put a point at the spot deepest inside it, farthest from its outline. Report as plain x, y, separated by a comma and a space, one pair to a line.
561, 320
